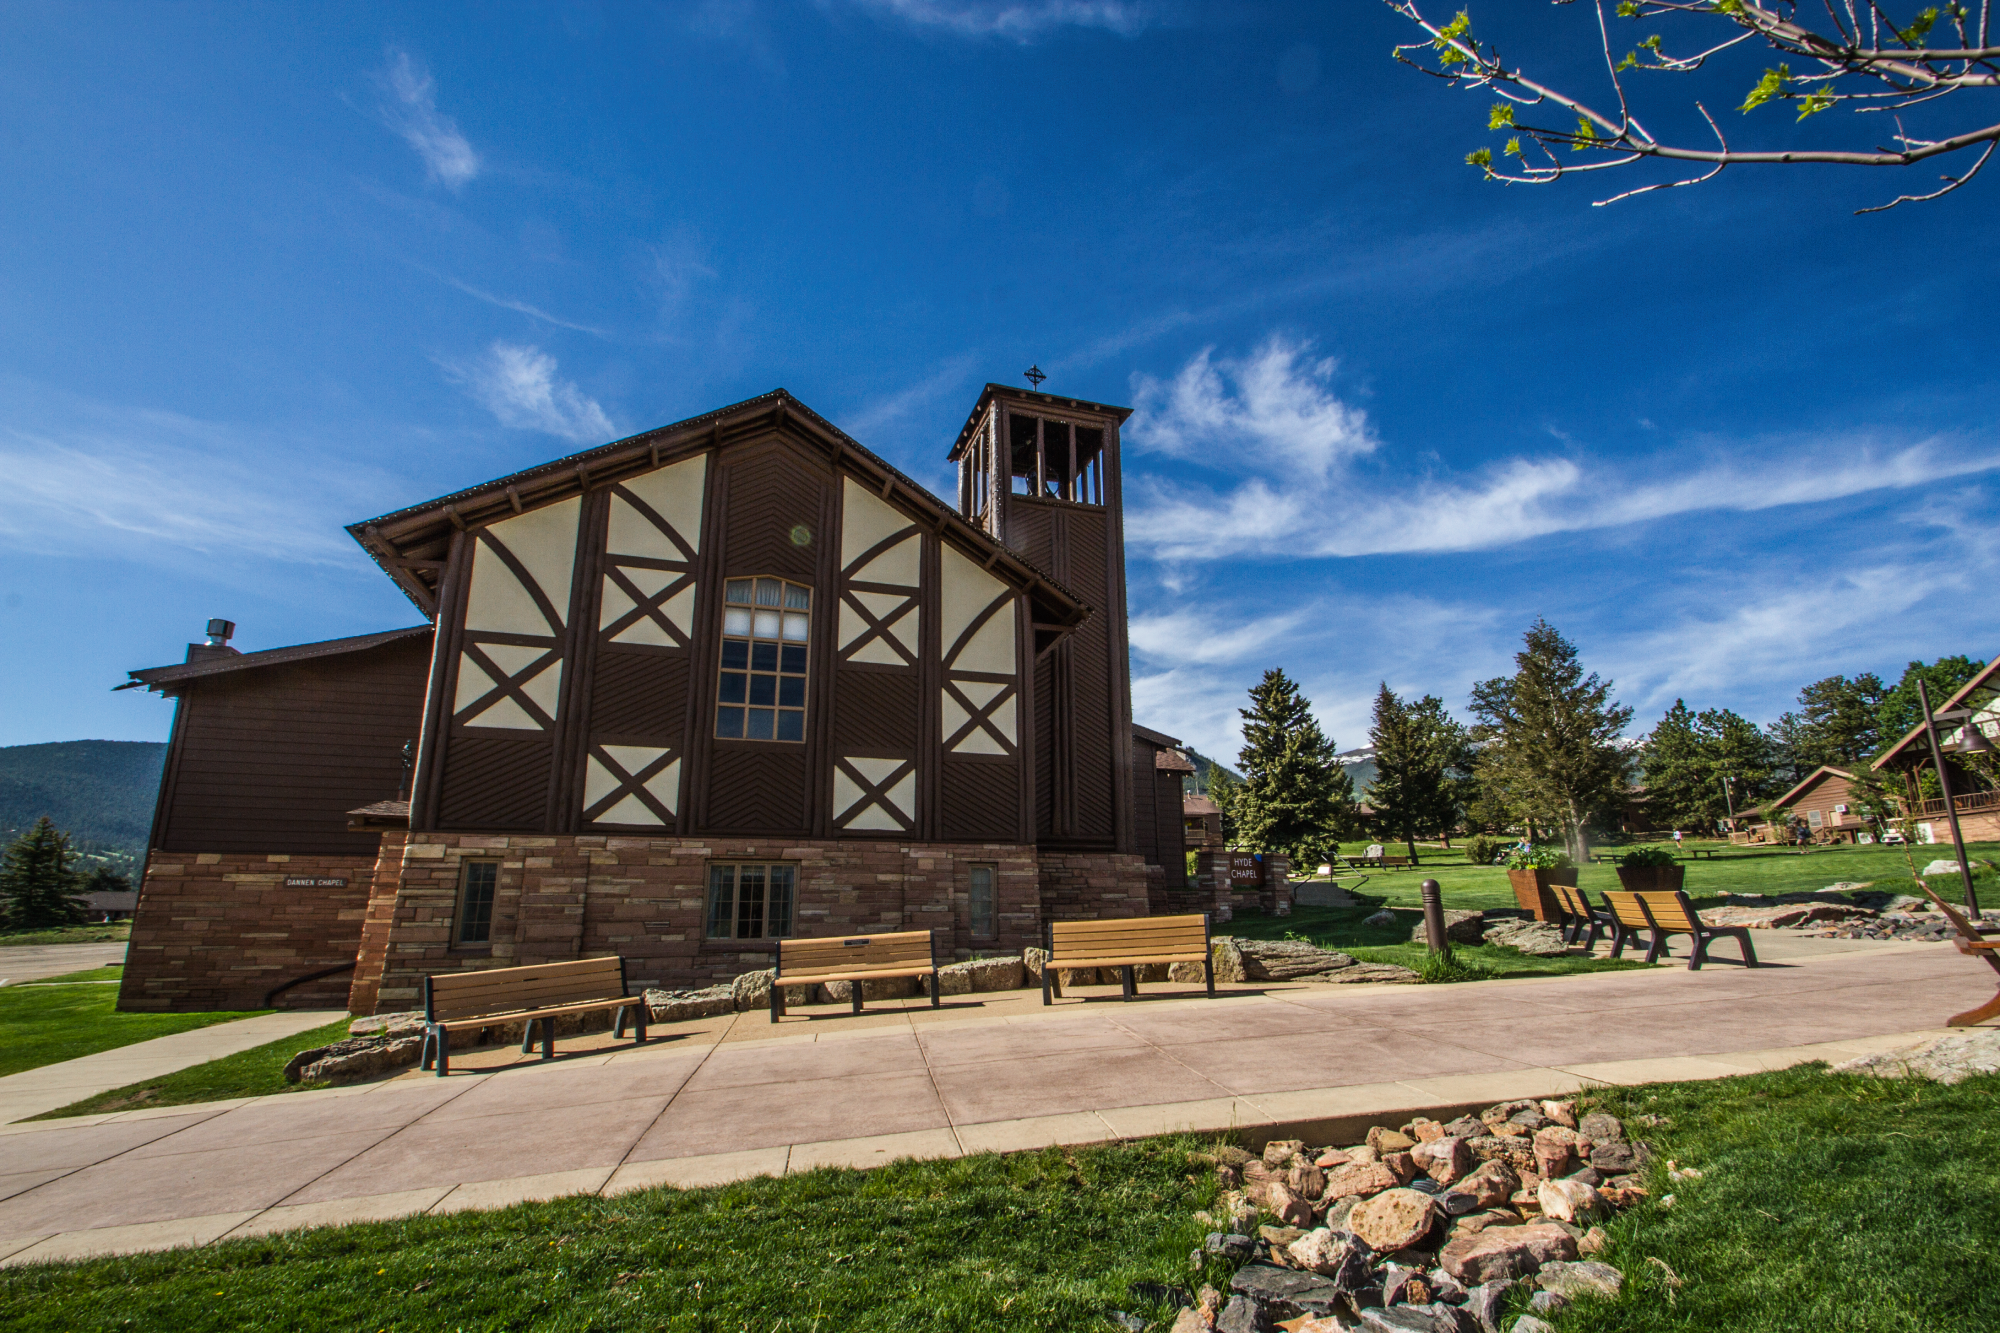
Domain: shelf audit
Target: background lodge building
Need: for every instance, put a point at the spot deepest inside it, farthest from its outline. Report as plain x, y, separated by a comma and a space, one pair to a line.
731, 679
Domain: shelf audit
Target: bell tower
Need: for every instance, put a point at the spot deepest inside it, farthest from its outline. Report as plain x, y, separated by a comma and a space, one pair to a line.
1039, 472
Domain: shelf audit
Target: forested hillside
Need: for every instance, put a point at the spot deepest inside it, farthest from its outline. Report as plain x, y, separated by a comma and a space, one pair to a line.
99, 792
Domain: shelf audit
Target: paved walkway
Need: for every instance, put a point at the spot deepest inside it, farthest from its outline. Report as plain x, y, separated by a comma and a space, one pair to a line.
30, 962
695, 1108
52, 1086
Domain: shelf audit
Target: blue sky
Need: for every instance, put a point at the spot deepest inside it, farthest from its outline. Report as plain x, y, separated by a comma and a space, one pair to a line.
271, 269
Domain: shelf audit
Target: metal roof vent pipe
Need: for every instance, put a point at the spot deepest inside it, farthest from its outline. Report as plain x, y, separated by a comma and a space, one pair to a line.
220, 632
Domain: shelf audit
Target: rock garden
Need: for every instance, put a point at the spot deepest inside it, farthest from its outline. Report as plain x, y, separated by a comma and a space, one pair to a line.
1422, 1229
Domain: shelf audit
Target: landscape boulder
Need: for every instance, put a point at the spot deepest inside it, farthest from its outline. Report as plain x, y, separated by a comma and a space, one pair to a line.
675, 1006
874, 988
752, 990
1540, 939
1571, 1201
1585, 1277
1394, 1219
355, 1058
1416, 1319
1287, 1293
399, 1024
1461, 926
1445, 1160
1947, 1059
1490, 1183
1338, 1255
1509, 1252
1297, 960
1357, 1179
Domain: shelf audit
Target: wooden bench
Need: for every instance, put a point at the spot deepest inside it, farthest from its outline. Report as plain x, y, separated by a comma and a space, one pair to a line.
856, 959
539, 993
1973, 944
1578, 913
1695, 853
1395, 862
1664, 913
1125, 944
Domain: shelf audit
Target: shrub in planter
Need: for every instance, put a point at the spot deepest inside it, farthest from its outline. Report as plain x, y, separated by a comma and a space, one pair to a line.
1531, 871
1649, 870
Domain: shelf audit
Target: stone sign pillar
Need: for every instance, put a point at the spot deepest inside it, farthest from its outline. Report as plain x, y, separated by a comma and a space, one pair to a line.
1275, 895
1213, 883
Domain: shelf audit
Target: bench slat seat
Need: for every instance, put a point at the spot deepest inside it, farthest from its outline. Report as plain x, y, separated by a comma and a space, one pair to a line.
856, 959
536, 995
1125, 944
1670, 912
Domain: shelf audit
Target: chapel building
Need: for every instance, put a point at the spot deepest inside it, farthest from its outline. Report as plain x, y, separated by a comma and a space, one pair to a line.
675, 697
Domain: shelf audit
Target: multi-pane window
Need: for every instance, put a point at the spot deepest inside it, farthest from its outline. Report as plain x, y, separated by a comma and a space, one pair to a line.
981, 895
475, 902
761, 695
750, 902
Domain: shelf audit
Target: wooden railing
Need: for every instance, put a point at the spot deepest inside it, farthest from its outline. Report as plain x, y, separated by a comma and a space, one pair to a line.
1971, 801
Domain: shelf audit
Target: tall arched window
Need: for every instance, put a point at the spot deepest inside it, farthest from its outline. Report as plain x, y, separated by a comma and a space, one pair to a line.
766, 630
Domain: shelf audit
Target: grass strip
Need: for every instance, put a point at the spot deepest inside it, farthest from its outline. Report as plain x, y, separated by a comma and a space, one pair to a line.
1040, 1241
1826, 1201
257, 1072
114, 932
95, 975
42, 1025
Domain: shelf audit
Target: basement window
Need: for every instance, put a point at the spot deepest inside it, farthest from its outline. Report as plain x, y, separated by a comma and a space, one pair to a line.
751, 902
761, 689
475, 902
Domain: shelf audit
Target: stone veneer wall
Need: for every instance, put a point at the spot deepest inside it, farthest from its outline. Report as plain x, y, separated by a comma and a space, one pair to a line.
580, 896
216, 931
381, 913
1080, 886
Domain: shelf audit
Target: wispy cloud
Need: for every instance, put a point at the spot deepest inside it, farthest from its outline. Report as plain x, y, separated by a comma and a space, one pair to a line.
508, 303
518, 384
410, 109
1019, 20
893, 409
1272, 420
85, 478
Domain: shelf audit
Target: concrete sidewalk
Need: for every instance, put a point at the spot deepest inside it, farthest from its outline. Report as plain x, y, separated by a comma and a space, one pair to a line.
34, 1091
693, 1108
31, 962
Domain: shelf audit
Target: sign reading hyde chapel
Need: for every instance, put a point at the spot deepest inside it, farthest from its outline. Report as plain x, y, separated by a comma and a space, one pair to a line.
315, 881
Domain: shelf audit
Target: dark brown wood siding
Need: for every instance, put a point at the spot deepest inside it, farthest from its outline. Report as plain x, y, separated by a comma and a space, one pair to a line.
271, 759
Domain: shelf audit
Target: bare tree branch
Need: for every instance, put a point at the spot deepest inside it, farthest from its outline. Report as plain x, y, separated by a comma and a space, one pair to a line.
1867, 64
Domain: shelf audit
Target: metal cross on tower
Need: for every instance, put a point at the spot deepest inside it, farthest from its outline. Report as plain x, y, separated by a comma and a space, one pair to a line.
1034, 376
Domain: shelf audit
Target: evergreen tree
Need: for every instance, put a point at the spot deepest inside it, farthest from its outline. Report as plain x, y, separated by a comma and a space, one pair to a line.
1676, 771
1295, 799
1420, 752
1836, 724
36, 886
1222, 790
1552, 737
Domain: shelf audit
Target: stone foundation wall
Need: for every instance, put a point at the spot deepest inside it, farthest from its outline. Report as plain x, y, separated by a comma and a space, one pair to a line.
645, 900
386, 879
217, 931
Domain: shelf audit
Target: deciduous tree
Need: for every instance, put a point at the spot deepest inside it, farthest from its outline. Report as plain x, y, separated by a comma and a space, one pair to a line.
1295, 799
1907, 67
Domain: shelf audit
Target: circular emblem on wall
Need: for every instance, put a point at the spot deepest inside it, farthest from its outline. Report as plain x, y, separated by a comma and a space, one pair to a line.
802, 535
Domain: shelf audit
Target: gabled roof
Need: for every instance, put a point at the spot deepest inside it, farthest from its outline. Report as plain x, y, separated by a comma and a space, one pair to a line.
411, 544
1811, 779
1033, 402
163, 678
1194, 804
1151, 737
1988, 678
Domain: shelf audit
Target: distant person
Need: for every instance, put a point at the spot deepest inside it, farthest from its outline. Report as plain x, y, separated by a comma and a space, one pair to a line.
1677, 839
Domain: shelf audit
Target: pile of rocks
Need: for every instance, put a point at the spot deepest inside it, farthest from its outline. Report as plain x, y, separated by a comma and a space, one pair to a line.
752, 990
373, 1046
1293, 960
1422, 1229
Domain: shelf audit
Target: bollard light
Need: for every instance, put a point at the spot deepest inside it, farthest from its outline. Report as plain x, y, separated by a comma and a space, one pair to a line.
1434, 916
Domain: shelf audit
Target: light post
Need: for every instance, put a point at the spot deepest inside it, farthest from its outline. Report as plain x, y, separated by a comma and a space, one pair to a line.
1972, 740
1729, 800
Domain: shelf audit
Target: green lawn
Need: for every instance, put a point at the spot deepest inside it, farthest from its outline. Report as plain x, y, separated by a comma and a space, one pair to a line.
1345, 929
257, 1072
1826, 1202
40, 1025
117, 930
1734, 870
1033, 1241
95, 975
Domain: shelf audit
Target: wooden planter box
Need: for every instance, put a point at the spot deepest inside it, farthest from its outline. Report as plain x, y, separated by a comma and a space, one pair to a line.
1532, 893
1651, 879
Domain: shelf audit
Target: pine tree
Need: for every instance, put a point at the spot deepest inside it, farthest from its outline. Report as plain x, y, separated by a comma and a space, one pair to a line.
1552, 737
1296, 799
1688, 756
1900, 712
1419, 748
1222, 790
36, 885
